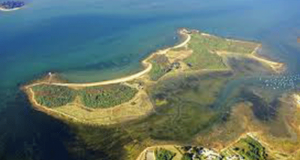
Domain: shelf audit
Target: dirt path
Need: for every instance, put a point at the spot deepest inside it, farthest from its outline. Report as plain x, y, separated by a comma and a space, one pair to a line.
146, 64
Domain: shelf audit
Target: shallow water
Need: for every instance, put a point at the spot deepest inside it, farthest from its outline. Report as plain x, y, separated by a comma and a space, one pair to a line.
98, 39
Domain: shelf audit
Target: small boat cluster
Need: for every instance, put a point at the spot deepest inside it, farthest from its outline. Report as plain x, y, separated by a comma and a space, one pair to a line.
12, 4
281, 82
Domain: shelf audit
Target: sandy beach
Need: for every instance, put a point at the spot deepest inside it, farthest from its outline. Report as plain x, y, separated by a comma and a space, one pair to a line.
8, 10
146, 64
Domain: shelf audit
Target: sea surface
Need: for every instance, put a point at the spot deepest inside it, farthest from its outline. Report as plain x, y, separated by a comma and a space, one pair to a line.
93, 40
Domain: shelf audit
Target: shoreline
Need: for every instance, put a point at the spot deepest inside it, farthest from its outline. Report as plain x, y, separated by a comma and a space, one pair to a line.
109, 119
9, 10
146, 64
276, 66
111, 116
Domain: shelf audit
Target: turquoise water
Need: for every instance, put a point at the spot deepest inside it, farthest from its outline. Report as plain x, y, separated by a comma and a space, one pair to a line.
98, 39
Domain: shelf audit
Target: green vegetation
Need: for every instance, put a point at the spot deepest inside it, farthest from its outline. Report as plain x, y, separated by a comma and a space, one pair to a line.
241, 47
92, 97
222, 44
160, 66
189, 107
157, 71
202, 57
251, 149
204, 47
106, 96
184, 98
186, 156
163, 154
190, 151
53, 96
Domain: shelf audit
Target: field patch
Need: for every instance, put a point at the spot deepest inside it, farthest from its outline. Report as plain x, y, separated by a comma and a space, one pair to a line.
106, 96
53, 96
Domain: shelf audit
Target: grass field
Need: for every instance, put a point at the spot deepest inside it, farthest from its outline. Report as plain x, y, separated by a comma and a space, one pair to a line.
202, 57
204, 47
249, 149
106, 96
157, 71
53, 96
163, 154
222, 44
91, 97
160, 64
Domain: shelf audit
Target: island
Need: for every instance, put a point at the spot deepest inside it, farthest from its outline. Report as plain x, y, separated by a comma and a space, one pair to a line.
114, 101
216, 95
11, 5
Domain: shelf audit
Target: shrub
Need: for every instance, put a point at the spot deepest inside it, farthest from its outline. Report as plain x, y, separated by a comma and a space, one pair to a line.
106, 96
53, 96
160, 65
163, 154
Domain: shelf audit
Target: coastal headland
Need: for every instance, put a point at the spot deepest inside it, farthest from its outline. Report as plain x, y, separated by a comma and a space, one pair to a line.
128, 98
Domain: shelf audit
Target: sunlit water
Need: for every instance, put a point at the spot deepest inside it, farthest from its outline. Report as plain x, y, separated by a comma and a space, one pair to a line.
99, 39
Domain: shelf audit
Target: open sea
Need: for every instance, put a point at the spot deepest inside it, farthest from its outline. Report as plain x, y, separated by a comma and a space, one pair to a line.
94, 40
